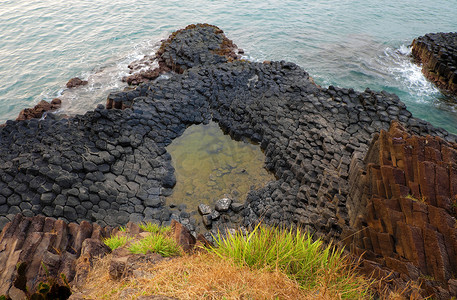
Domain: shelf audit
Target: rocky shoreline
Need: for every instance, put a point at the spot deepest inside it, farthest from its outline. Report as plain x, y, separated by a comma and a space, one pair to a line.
110, 166
437, 52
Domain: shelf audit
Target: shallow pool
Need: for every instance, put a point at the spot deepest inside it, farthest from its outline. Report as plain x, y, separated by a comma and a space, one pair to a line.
209, 164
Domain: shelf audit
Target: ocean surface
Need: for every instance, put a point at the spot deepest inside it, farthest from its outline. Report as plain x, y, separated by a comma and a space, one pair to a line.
352, 44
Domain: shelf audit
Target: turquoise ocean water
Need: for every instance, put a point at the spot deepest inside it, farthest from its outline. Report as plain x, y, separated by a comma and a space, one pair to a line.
357, 44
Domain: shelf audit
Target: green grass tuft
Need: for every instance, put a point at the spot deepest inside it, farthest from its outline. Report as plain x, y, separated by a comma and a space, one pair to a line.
115, 242
156, 243
309, 262
154, 228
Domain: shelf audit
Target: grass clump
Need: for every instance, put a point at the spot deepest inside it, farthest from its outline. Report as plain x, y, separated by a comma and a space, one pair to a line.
422, 199
116, 241
156, 243
154, 228
316, 268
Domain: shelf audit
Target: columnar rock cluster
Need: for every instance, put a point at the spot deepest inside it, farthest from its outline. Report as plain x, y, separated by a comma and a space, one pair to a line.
39, 249
55, 244
405, 209
438, 54
110, 166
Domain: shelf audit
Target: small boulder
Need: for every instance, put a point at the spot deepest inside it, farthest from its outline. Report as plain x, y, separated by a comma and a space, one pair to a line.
204, 209
236, 206
223, 204
207, 220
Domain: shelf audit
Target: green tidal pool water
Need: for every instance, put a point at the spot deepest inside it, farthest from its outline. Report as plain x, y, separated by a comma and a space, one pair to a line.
209, 164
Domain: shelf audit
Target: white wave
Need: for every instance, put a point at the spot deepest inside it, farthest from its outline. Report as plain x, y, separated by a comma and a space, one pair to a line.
409, 74
104, 79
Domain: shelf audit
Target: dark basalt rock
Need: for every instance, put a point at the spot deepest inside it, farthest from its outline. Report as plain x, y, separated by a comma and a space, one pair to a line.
437, 52
195, 45
110, 166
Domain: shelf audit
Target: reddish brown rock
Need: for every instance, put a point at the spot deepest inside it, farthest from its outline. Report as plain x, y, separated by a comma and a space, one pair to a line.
409, 225
90, 249
38, 110
38, 240
183, 236
74, 82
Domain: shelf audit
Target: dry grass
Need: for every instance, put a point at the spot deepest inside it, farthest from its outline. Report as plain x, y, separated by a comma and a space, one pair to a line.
200, 276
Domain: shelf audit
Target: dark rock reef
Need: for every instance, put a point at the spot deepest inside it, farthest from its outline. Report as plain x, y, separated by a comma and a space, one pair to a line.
110, 166
184, 49
437, 52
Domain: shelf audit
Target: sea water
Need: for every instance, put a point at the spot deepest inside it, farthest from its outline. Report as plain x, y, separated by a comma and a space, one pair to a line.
352, 44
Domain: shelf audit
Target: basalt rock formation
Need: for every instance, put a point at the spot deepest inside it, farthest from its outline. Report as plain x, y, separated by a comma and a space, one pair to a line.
437, 52
33, 242
403, 209
182, 50
39, 249
110, 166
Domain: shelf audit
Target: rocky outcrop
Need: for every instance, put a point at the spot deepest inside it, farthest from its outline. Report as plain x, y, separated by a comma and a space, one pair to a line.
110, 166
184, 49
38, 110
44, 248
437, 52
403, 210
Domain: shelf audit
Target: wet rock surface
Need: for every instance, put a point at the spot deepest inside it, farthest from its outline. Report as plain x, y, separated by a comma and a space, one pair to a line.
438, 54
74, 82
38, 110
197, 44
